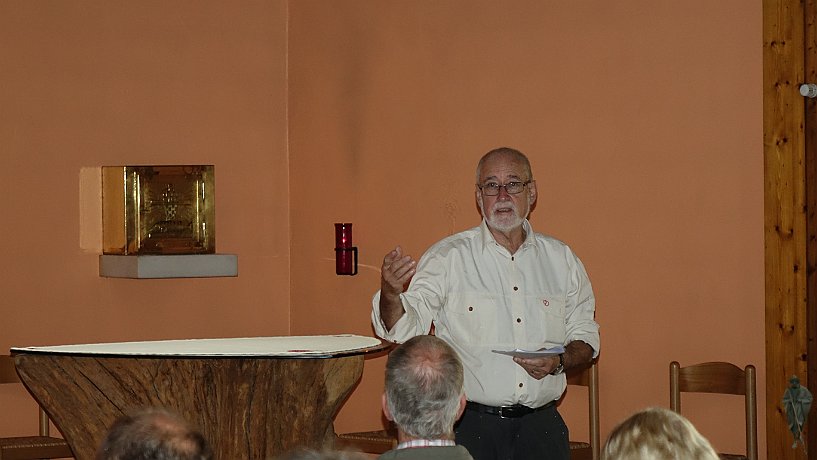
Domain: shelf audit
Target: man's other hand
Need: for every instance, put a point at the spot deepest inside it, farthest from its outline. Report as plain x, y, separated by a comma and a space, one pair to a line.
396, 272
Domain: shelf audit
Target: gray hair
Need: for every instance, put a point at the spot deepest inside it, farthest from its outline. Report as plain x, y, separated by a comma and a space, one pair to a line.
153, 434
306, 453
424, 387
657, 434
513, 153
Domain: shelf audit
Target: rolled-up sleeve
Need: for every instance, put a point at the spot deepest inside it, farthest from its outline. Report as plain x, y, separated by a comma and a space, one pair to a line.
581, 308
421, 302
399, 333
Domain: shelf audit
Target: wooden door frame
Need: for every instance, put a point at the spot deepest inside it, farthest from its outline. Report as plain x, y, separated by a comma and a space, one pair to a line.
789, 209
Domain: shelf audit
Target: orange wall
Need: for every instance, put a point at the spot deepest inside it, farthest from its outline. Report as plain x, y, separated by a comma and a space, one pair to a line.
93, 83
642, 119
643, 123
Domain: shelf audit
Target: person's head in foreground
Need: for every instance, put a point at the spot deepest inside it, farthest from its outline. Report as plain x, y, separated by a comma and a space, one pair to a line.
423, 392
657, 434
153, 434
306, 453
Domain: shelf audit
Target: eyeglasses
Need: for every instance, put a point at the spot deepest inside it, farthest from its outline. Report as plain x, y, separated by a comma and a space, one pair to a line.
512, 188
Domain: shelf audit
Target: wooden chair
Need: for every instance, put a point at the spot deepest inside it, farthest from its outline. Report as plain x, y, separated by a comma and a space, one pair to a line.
587, 377
722, 378
29, 447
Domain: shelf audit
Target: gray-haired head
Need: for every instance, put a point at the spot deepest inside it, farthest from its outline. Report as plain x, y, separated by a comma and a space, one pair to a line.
424, 387
153, 434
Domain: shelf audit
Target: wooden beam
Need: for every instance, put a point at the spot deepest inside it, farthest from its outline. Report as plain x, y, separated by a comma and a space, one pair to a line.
810, 142
785, 226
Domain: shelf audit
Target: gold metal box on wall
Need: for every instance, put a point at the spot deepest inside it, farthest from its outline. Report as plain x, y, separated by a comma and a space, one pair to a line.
158, 210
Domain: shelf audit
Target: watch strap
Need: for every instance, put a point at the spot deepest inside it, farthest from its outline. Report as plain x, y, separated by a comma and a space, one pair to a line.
561, 367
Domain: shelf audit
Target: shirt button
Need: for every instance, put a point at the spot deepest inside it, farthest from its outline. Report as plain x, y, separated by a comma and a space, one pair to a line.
518, 320
470, 308
520, 385
512, 259
515, 288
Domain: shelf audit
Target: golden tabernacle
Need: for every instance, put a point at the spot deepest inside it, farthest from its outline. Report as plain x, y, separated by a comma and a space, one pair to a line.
158, 210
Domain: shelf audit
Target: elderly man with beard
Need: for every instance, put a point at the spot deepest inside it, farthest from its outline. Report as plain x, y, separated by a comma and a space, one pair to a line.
498, 286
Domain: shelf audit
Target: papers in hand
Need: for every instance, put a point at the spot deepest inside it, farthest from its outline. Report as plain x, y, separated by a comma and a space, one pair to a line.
540, 353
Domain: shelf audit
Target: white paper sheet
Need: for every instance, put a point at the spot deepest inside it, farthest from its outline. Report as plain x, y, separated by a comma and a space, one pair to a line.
541, 353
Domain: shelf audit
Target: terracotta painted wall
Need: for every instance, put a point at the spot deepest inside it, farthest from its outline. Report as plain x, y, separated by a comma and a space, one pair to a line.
91, 83
643, 123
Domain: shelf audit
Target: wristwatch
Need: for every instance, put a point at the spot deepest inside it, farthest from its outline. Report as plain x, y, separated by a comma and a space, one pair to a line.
561, 367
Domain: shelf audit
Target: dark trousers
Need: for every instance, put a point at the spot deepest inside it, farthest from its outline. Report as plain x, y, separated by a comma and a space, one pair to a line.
540, 435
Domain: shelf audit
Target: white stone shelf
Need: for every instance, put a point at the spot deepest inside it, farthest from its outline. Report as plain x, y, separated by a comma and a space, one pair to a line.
168, 266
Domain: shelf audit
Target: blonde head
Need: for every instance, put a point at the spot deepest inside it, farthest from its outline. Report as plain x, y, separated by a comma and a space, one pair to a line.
657, 434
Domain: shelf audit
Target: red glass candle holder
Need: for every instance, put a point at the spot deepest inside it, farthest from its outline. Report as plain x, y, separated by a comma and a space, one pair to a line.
345, 253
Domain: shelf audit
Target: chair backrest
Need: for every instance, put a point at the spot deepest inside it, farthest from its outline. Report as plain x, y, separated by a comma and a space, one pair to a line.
589, 377
8, 375
722, 378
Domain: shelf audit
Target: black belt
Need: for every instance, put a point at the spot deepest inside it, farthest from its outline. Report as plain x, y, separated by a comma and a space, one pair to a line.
515, 411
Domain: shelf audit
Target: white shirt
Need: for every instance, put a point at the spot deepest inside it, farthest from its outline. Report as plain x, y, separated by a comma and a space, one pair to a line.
480, 298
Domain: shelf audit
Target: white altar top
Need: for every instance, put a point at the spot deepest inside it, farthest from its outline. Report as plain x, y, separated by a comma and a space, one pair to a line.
284, 346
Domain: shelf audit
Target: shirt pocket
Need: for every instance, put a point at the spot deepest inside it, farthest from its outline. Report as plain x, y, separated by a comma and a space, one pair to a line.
472, 318
547, 319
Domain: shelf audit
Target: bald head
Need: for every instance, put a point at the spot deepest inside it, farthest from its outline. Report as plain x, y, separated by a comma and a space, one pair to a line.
153, 434
509, 154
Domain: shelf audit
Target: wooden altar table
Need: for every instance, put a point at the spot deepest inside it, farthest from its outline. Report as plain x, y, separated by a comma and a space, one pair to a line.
252, 398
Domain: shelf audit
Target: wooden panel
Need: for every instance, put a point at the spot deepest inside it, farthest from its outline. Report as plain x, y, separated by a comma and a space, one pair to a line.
785, 231
810, 115
253, 408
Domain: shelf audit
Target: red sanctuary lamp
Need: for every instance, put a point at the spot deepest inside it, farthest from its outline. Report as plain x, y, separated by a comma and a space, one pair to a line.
345, 253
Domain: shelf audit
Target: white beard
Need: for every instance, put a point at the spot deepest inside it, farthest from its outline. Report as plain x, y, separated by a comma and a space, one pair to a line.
503, 221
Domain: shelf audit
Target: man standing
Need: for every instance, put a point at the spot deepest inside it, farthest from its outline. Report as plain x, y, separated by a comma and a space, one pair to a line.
424, 397
498, 286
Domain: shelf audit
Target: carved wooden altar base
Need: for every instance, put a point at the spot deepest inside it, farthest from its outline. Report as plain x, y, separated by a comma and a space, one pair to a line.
246, 407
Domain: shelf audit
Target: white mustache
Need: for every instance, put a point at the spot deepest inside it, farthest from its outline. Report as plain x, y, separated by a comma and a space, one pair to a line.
503, 206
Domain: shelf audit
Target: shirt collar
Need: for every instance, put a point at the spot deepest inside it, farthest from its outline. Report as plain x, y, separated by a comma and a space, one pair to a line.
425, 443
488, 238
